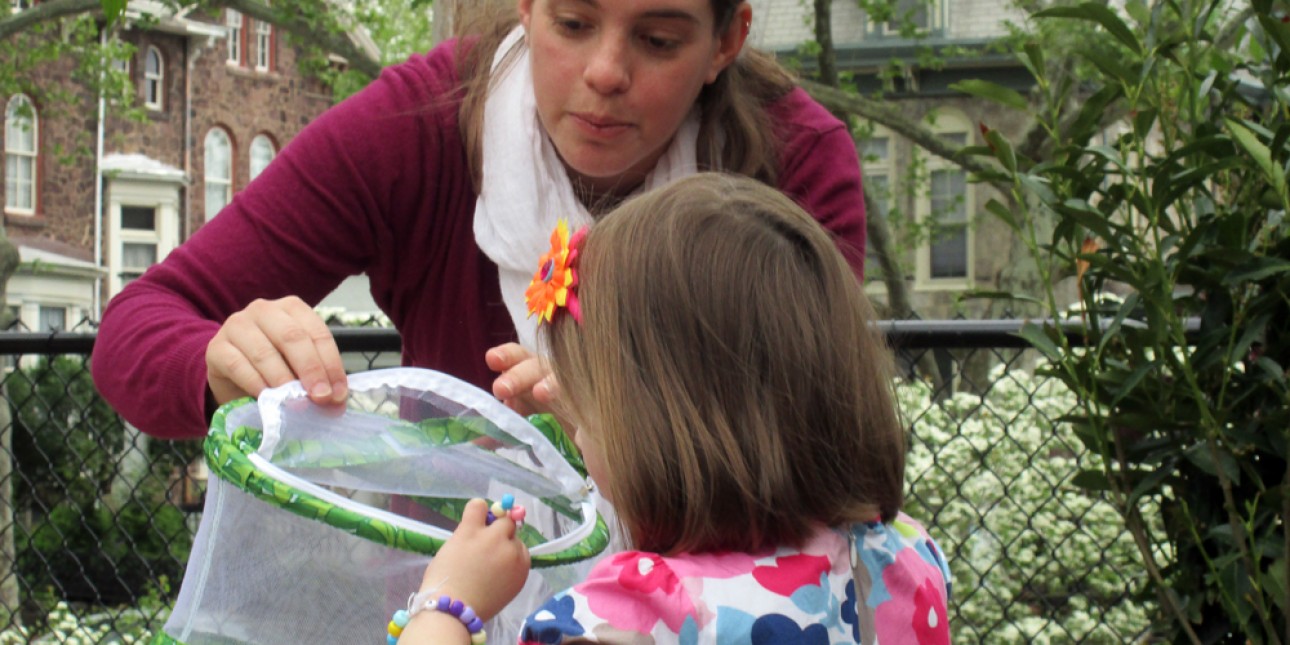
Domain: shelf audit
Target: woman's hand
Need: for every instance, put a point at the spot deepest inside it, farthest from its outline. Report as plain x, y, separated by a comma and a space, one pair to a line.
272, 342
482, 565
524, 384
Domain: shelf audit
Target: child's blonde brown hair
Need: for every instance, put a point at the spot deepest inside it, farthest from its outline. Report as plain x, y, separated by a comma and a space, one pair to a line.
727, 365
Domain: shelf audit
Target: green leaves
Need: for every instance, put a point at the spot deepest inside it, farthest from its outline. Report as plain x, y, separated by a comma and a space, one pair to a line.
1167, 186
1262, 155
113, 9
1004, 96
1100, 14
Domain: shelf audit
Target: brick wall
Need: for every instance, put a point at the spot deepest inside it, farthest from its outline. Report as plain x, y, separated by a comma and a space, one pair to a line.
277, 103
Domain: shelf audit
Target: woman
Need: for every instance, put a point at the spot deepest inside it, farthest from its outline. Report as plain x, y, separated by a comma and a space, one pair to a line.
441, 180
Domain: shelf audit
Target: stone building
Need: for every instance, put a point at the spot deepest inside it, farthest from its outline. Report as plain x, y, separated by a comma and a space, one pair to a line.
223, 93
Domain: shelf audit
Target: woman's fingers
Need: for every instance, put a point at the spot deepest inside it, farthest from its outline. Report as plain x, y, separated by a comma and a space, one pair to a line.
521, 384
270, 343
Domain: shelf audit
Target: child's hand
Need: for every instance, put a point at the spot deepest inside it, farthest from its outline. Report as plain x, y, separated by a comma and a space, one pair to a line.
484, 566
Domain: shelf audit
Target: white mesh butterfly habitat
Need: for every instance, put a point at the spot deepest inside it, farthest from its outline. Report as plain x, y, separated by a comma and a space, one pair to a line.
318, 522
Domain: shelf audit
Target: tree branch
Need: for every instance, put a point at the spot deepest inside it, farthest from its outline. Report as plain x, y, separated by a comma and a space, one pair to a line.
839, 101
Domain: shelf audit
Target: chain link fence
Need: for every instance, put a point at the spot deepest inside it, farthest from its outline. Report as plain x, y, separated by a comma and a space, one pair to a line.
96, 519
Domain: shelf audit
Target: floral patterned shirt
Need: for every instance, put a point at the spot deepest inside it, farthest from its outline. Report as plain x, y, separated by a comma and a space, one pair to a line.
892, 588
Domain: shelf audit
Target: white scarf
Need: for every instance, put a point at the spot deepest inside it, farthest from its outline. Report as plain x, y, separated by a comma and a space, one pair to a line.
525, 188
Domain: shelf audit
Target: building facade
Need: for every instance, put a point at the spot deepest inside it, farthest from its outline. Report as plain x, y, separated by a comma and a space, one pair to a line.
222, 92
946, 240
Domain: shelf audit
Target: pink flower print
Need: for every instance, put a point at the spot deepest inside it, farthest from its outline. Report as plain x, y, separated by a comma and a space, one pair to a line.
720, 565
633, 591
931, 624
791, 573
641, 572
915, 613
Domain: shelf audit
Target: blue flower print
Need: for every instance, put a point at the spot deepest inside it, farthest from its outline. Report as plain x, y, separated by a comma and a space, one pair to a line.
818, 599
778, 629
849, 615
552, 622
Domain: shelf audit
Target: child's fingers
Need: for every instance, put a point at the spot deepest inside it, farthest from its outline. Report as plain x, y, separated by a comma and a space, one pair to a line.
475, 514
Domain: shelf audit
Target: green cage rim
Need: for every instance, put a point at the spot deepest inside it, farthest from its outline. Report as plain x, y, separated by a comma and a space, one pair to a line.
226, 456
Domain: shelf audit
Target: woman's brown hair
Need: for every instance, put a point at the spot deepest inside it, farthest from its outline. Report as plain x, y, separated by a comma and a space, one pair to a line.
728, 366
733, 106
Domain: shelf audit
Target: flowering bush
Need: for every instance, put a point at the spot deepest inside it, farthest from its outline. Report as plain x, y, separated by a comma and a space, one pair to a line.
66, 627
1034, 557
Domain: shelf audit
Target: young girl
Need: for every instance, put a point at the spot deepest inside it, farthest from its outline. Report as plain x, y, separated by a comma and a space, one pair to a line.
733, 401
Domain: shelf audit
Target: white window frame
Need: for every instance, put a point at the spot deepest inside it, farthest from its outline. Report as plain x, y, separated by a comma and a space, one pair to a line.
154, 81
160, 196
234, 23
878, 169
219, 181
948, 123
40, 318
263, 45
18, 158
258, 145
933, 24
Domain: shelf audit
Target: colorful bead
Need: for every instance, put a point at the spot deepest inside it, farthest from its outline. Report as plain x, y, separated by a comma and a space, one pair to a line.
456, 608
391, 640
508, 500
467, 615
490, 518
401, 618
496, 509
517, 514
474, 625
444, 603
394, 629
478, 638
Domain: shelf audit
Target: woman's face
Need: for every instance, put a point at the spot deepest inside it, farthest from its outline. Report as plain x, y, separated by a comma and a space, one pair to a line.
614, 79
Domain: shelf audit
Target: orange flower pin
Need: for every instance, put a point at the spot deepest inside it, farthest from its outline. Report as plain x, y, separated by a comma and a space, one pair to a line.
553, 283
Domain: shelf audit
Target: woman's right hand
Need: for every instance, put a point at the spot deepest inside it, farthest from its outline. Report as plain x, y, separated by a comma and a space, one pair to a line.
272, 342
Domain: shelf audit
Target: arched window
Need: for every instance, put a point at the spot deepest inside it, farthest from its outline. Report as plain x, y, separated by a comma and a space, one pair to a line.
219, 171
21, 136
262, 152
154, 73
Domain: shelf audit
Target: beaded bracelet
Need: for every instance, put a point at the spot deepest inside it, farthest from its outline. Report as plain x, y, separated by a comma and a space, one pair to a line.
427, 601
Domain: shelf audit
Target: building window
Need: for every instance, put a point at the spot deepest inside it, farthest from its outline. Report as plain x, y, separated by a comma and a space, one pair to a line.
262, 152
154, 72
949, 251
924, 17
219, 171
52, 319
143, 228
947, 213
139, 239
22, 5
876, 160
263, 46
234, 23
21, 136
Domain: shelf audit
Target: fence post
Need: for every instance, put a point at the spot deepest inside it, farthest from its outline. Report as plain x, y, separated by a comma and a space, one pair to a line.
9, 261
